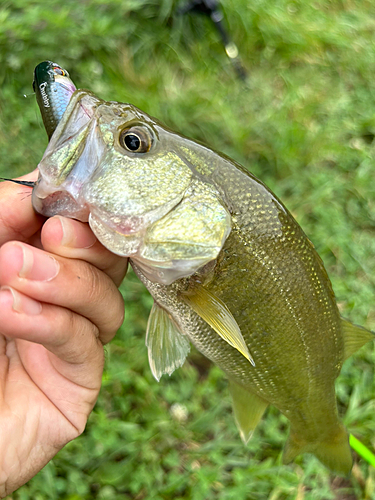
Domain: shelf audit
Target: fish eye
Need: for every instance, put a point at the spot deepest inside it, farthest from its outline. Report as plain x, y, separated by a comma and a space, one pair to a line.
135, 139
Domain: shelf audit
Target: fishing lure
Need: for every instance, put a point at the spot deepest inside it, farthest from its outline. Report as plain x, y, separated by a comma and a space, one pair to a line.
53, 89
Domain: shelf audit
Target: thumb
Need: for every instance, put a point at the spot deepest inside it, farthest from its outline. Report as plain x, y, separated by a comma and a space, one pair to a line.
18, 220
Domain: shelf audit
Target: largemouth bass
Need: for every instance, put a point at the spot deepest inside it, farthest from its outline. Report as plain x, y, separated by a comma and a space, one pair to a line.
229, 268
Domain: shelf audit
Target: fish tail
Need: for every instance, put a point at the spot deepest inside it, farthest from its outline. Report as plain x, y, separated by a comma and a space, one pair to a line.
334, 452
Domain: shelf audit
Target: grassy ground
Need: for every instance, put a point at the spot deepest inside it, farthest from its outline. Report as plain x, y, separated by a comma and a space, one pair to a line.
304, 123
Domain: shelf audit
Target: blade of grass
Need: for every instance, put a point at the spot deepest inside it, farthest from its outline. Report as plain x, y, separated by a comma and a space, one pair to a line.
362, 450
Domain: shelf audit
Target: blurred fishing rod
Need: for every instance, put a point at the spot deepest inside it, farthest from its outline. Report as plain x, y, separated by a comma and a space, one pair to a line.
211, 8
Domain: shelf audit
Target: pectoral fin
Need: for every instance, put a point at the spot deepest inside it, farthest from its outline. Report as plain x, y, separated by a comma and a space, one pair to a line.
214, 312
167, 346
248, 409
354, 337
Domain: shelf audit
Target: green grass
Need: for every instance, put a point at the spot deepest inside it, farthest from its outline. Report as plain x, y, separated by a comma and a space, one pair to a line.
304, 123
362, 450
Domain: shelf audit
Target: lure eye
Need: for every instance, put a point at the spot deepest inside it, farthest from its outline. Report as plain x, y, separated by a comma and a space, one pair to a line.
59, 71
135, 139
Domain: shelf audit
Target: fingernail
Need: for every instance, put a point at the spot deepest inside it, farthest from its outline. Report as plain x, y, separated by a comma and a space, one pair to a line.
21, 303
37, 265
70, 237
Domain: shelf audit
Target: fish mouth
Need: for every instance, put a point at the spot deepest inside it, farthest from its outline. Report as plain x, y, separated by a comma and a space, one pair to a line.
61, 203
73, 153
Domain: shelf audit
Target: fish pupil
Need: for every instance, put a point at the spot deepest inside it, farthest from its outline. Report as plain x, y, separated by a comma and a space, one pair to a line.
132, 142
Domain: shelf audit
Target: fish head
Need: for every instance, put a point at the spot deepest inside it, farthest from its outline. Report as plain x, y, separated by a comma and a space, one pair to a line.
112, 165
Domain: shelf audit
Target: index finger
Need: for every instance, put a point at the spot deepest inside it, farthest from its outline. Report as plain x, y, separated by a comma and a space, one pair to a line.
18, 220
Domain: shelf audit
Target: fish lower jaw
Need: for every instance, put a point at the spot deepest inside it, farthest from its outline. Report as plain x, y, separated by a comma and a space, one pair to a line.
162, 271
121, 240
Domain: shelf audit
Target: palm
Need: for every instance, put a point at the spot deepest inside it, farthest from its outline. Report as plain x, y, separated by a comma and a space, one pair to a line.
42, 409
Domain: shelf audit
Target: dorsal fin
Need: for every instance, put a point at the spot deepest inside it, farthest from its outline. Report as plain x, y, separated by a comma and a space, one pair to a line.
167, 346
354, 337
214, 312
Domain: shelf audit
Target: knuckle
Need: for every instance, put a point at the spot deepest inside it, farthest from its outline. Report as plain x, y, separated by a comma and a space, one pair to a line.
108, 301
76, 337
113, 318
116, 268
102, 303
95, 283
67, 327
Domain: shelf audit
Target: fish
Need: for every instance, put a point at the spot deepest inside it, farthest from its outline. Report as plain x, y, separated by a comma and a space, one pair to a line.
229, 268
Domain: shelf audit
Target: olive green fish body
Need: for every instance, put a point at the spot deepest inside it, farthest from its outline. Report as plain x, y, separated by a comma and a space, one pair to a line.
229, 268
273, 281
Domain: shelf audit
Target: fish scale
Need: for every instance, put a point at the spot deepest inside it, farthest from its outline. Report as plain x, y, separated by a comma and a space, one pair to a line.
234, 364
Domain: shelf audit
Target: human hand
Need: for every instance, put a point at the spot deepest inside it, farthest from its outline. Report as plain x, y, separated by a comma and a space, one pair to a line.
59, 304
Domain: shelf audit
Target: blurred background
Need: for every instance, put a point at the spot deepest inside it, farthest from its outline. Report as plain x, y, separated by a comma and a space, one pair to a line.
299, 112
